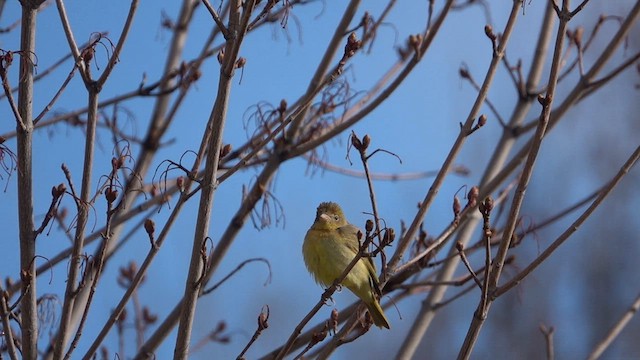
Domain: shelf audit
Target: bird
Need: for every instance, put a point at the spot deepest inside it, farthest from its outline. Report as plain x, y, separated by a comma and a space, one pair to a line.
329, 246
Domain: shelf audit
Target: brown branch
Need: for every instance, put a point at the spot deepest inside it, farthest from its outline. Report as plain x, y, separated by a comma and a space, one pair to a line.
25, 176
238, 24
482, 310
263, 324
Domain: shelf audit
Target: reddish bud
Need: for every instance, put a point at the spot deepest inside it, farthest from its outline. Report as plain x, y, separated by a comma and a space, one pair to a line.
356, 142
225, 150
577, 36
464, 73
482, 120
241, 62
366, 140
180, 183
111, 195
456, 206
334, 319
369, 226
222, 326
472, 196
117, 163
488, 30
318, 336
283, 106
150, 227
148, 317
353, 44
389, 236
87, 54
488, 203
263, 320
415, 41
486, 206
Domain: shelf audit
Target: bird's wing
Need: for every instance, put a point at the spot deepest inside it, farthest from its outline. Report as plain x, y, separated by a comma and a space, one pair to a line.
350, 233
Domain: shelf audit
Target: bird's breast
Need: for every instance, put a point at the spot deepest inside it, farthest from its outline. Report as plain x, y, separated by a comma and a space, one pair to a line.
325, 256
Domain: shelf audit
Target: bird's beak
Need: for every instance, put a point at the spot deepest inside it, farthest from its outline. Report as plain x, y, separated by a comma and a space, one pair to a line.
325, 217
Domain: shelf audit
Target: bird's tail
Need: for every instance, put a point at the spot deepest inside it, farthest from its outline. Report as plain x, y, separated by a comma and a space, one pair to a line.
377, 314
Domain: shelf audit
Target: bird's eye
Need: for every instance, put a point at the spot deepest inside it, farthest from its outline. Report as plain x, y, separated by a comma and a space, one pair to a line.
336, 217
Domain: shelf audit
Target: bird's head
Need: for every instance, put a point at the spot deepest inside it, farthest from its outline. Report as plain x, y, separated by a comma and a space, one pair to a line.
329, 216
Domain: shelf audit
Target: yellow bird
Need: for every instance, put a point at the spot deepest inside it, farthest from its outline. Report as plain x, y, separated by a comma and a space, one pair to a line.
329, 246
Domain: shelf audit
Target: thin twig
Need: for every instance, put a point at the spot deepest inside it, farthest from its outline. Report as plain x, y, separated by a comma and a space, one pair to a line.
262, 325
115, 57
97, 265
240, 266
56, 96
573, 227
602, 346
6, 325
216, 18
465, 261
548, 339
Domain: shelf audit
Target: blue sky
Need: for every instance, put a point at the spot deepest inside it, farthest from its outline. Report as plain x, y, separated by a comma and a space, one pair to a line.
418, 123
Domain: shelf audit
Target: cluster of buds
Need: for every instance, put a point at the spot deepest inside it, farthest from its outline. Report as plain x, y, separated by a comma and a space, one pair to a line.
482, 121
360, 145
111, 194
117, 163
127, 274
150, 228
576, 36
486, 206
368, 226
350, 49
388, 237
415, 41
241, 62
472, 199
58, 191
353, 45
